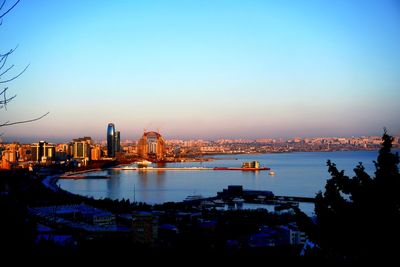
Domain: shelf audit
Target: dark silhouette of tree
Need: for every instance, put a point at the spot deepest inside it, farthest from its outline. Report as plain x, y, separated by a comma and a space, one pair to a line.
358, 218
5, 70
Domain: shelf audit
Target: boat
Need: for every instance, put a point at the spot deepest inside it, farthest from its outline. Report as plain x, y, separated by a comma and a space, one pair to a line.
272, 173
128, 168
246, 166
143, 163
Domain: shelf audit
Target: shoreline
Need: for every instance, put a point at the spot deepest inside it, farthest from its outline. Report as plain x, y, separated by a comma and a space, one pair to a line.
294, 151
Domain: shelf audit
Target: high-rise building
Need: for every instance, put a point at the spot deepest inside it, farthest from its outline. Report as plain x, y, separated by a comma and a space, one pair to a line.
43, 151
10, 155
96, 153
151, 146
117, 141
111, 140
81, 148
25, 153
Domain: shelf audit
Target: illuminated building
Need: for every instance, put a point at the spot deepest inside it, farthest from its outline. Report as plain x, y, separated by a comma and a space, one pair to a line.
11, 154
8, 158
111, 140
151, 146
24, 153
81, 148
43, 151
95, 153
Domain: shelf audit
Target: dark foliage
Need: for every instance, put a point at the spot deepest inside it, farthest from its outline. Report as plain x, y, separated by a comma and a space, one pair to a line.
358, 218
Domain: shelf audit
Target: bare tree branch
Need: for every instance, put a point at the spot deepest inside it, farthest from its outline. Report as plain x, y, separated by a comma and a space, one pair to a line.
19, 122
2, 92
3, 60
4, 100
5, 13
8, 53
4, 72
1, 7
3, 57
15, 77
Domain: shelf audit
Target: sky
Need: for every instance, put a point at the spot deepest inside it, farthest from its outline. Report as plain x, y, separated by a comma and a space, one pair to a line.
203, 69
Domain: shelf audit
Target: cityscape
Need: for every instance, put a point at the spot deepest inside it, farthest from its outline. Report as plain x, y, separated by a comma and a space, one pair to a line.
208, 132
152, 146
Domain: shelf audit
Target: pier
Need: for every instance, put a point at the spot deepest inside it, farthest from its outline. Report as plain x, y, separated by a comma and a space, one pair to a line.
188, 169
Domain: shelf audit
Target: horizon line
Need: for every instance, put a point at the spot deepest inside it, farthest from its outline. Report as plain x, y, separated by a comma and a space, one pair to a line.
60, 140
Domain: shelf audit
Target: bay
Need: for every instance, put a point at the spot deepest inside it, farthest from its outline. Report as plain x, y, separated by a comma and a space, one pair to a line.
296, 174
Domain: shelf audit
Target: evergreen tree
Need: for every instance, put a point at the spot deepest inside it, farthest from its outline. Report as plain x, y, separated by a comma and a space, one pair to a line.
358, 218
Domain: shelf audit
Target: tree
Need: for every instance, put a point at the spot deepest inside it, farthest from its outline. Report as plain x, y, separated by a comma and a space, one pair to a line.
358, 219
5, 69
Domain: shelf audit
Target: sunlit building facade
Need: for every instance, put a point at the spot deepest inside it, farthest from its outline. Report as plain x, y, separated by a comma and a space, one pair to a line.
81, 148
43, 151
152, 146
10, 156
95, 153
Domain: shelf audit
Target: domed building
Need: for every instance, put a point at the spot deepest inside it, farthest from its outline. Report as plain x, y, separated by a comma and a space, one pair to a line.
151, 146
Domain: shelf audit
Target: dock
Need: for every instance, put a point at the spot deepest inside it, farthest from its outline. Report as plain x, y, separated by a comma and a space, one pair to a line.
188, 169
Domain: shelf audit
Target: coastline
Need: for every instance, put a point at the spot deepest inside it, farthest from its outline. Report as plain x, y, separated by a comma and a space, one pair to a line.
287, 170
294, 151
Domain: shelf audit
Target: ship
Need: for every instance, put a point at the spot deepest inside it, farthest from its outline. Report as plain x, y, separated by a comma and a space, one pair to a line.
143, 163
246, 166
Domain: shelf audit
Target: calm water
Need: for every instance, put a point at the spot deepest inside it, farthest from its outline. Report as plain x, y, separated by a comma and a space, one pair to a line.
297, 174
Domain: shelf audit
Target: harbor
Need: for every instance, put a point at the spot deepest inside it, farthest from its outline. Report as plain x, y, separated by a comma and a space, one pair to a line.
296, 175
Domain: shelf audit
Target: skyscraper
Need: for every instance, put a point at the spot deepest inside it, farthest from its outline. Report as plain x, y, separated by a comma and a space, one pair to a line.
117, 141
43, 151
111, 146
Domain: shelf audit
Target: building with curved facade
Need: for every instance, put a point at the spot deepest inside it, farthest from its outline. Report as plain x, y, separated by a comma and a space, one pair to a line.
151, 146
111, 146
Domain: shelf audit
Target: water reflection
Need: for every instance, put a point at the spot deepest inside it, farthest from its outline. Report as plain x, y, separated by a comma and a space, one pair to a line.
297, 174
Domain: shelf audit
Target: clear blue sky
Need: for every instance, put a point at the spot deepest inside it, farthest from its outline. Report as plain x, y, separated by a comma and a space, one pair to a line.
204, 69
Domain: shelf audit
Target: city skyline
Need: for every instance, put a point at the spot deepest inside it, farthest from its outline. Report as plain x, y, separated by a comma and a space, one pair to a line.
227, 69
136, 138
